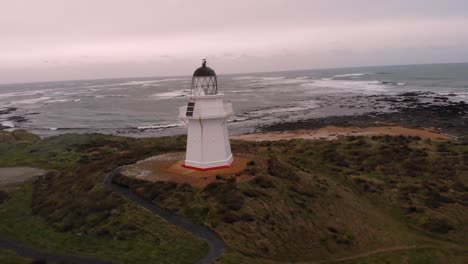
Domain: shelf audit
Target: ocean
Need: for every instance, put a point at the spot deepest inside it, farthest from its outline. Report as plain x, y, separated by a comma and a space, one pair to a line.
144, 107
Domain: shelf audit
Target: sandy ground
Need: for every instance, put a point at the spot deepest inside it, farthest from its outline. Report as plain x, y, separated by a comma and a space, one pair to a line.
333, 133
18, 174
168, 167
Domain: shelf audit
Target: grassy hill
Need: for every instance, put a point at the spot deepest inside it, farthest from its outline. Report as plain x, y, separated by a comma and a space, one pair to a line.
355, 200
69, 211
318, 200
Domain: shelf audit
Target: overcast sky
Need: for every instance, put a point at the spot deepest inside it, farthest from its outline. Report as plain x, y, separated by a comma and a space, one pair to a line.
70, 39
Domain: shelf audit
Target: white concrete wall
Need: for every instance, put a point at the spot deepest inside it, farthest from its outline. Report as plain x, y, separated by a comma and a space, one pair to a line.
208, 138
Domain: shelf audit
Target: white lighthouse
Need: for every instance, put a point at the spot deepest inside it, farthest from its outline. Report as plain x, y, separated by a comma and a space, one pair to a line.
206, 115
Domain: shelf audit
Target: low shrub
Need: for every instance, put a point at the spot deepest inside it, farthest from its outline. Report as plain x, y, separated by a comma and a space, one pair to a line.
3, 196
230, 217
251, 163
434, 199
436, 225
253, 193
263, 182
281, 169
246, 217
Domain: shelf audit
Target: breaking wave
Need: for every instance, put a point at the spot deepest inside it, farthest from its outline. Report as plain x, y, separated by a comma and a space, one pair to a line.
304, 105
346, 86
24, 93
350, 75
172, 94
160, 126
42, 99
7, 124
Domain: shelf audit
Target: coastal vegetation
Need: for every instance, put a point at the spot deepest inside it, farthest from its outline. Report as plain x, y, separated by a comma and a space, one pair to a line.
312, 200
354, 200
69, 211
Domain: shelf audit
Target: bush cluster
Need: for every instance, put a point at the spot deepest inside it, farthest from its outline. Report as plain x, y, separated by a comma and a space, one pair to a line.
56, 200
3, 196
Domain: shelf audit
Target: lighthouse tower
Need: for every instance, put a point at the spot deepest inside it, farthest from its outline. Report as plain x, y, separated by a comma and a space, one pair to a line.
206, 115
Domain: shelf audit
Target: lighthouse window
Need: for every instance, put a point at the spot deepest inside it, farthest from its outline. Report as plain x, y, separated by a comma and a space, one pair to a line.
190, 108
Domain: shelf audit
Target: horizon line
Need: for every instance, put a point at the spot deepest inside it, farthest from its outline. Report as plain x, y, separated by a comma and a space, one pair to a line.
236, 73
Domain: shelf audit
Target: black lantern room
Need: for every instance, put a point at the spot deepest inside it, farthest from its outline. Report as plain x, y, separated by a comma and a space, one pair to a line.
204, 81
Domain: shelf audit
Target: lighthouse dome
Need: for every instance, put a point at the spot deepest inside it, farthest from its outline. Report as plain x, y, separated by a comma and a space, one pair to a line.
204, 71
204, 81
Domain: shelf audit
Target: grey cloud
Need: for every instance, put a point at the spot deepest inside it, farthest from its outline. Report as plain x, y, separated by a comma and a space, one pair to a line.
121, 38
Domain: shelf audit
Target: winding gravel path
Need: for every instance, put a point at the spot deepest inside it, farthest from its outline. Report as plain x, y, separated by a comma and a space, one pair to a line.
215, 244
21, 174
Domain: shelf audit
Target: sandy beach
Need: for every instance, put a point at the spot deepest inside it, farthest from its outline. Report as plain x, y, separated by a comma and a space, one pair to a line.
334, 132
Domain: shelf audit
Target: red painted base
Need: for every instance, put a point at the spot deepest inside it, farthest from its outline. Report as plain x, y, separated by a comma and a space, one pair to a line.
206, 169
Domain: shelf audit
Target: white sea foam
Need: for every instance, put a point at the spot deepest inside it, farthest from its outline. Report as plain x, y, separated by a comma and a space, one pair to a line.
463, 97
244, 78
272, 81
272, 78
259, 78
393, 83
301, 106
98, 86
152, 82
24, 93
140, 82
459, 96
351, 75
54, 100
172, 94
241, 91
175, 79
85, 92
7, 124
110, 95
57, 101
161, 126
238, 119
118, 86
31, 101
346, 86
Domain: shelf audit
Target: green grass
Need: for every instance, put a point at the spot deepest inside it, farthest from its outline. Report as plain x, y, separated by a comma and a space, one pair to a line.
159, 242
313, 200
70, 151
309, 200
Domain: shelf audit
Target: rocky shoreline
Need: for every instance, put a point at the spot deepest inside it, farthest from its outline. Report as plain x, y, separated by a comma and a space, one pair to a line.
445, 113
411, 109
7, 120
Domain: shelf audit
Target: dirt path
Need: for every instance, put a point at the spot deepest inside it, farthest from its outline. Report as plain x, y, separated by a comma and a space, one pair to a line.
215, 244
19, 174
